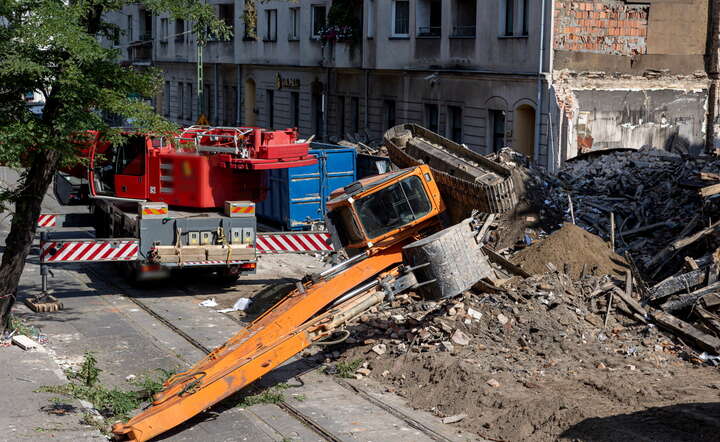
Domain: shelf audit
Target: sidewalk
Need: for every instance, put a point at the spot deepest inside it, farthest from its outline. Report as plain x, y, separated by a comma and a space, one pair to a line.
23, 416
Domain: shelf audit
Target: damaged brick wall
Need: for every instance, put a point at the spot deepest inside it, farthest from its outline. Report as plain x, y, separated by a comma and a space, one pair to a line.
603, 27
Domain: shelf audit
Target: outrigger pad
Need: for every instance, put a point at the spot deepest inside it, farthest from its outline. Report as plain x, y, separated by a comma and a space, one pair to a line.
43, 303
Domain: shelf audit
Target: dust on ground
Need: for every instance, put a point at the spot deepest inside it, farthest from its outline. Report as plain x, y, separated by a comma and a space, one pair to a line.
539, 358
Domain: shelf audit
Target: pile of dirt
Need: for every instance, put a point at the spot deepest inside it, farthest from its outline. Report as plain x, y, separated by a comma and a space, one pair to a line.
532, 360
574, 248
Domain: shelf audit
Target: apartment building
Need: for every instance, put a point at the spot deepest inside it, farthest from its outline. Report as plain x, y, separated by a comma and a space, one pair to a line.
552, 78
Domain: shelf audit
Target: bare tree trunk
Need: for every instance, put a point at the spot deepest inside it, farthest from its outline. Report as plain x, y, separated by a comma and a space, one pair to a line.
24, 224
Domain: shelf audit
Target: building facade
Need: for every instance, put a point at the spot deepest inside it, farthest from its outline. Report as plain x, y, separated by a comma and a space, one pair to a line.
551, 78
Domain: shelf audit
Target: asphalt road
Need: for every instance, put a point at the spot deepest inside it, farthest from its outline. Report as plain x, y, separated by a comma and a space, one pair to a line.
135, 330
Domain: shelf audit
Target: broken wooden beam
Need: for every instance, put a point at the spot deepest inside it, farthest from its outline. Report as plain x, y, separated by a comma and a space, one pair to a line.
709, 320
688, 300
710, 190
627, 299
681, 243
686, 331
709, 176
676, 284
506, 265
644, 229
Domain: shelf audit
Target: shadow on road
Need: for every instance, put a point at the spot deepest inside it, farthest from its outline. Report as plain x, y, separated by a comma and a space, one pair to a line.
678, 423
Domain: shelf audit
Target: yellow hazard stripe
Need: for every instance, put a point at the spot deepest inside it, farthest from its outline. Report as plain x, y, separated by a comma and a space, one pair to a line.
245, 209
155, 211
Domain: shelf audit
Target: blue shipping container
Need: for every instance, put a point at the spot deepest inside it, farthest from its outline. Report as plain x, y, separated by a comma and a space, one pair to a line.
297, 196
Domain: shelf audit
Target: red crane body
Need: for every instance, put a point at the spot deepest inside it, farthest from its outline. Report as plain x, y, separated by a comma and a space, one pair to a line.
202, 168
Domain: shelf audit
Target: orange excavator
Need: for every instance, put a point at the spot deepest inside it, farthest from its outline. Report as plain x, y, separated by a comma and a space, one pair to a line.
391, 228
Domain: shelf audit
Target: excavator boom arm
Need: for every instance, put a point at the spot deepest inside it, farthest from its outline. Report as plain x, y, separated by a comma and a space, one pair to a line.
284, 331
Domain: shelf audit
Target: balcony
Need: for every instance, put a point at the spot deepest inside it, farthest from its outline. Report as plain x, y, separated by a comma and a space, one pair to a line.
429, 31
140, 52
463, 31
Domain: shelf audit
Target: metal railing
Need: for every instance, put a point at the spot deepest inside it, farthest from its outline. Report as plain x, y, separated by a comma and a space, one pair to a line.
464, 31
429, 31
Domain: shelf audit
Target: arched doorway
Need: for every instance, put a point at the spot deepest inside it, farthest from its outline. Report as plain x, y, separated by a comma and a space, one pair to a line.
524, 130
250, 115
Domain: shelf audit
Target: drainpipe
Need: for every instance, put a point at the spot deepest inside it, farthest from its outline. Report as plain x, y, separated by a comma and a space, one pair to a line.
326, 105
367, 99
539, 101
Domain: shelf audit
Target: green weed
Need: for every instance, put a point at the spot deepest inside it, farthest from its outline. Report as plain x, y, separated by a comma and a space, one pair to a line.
21, 328
112, 403
273, 395
345, 369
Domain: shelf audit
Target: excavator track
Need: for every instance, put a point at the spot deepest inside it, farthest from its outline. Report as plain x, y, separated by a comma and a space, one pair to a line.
467, 180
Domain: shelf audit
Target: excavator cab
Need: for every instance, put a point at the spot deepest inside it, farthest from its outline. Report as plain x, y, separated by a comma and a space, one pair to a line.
384, 209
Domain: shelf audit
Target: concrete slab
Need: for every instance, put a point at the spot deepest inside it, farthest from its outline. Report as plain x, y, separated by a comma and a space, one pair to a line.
22, 418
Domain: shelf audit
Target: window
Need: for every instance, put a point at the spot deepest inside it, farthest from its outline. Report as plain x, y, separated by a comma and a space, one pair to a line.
509, 17
497, 126
187, 104
355, 103
318, 20
233, 117
166, 99
226, 13
209, 103
146, 25
464, 15
116, 37
163, 30
130, 28
271, 25
429, 18
181, 102
455, 123
525, 11
294, 32
179, 31
270, 105
393, 207
371, 19
318, 103
341, 117
389, 113
432, 117
295, 108
226, 106
401, 18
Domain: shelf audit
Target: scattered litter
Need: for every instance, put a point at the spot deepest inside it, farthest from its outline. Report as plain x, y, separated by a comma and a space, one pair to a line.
380, 349
454, 418
240, 305
208, 303
24, 342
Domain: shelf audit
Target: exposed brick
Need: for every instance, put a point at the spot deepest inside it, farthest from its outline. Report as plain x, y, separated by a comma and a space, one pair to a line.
602, 26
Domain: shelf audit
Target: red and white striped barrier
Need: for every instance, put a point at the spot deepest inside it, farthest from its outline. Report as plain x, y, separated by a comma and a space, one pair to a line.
292, 242
88, 250
47, 220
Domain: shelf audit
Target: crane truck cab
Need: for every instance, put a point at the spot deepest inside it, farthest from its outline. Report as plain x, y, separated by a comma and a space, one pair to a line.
383, 210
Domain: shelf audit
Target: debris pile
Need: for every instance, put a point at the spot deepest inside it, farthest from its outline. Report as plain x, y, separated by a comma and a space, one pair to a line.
645, 199
518, 361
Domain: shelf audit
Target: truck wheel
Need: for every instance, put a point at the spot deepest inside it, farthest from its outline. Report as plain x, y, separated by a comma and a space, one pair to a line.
228, 275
